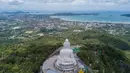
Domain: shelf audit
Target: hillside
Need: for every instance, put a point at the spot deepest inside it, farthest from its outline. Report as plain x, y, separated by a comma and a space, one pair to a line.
103, 58
27, 57
102, 52
126, 15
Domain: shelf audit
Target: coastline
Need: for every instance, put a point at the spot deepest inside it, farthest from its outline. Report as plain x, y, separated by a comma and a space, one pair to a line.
93, 21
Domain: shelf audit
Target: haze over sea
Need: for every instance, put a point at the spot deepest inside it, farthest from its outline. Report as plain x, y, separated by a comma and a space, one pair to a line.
108, 16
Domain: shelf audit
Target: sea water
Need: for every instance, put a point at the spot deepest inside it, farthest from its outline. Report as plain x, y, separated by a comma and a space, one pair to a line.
101, 17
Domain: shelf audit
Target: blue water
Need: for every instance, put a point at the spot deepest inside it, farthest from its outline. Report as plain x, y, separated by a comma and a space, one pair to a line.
102, 17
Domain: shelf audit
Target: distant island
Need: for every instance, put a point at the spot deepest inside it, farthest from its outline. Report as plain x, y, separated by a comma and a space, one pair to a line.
15, 12
72, 14
126, 15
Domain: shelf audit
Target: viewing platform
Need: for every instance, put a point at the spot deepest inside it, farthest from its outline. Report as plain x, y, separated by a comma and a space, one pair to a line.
66, 61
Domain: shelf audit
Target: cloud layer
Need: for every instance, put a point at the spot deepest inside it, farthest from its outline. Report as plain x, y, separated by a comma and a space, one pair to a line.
12, 2
65, 4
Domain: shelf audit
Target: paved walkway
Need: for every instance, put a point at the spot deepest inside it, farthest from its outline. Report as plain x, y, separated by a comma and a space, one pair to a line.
49, 63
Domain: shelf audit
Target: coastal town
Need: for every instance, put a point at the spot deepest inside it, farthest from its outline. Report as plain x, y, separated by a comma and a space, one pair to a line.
25, 26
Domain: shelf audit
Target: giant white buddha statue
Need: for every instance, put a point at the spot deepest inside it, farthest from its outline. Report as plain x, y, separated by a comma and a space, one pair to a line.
66, 60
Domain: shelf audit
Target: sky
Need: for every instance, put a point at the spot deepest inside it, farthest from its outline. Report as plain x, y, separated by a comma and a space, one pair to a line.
65, 5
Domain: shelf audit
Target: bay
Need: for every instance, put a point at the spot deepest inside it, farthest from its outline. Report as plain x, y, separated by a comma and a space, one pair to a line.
102, 17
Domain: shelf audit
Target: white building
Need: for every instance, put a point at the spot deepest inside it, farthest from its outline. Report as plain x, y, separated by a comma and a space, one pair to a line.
66, 61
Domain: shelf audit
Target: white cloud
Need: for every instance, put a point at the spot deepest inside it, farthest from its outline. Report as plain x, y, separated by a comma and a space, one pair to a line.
56, 1
123, 1
12, 2
65, 4
79, 2
75, 2
16, 2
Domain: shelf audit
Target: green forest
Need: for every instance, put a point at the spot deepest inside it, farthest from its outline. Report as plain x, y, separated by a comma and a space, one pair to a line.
102, 52
27, 57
